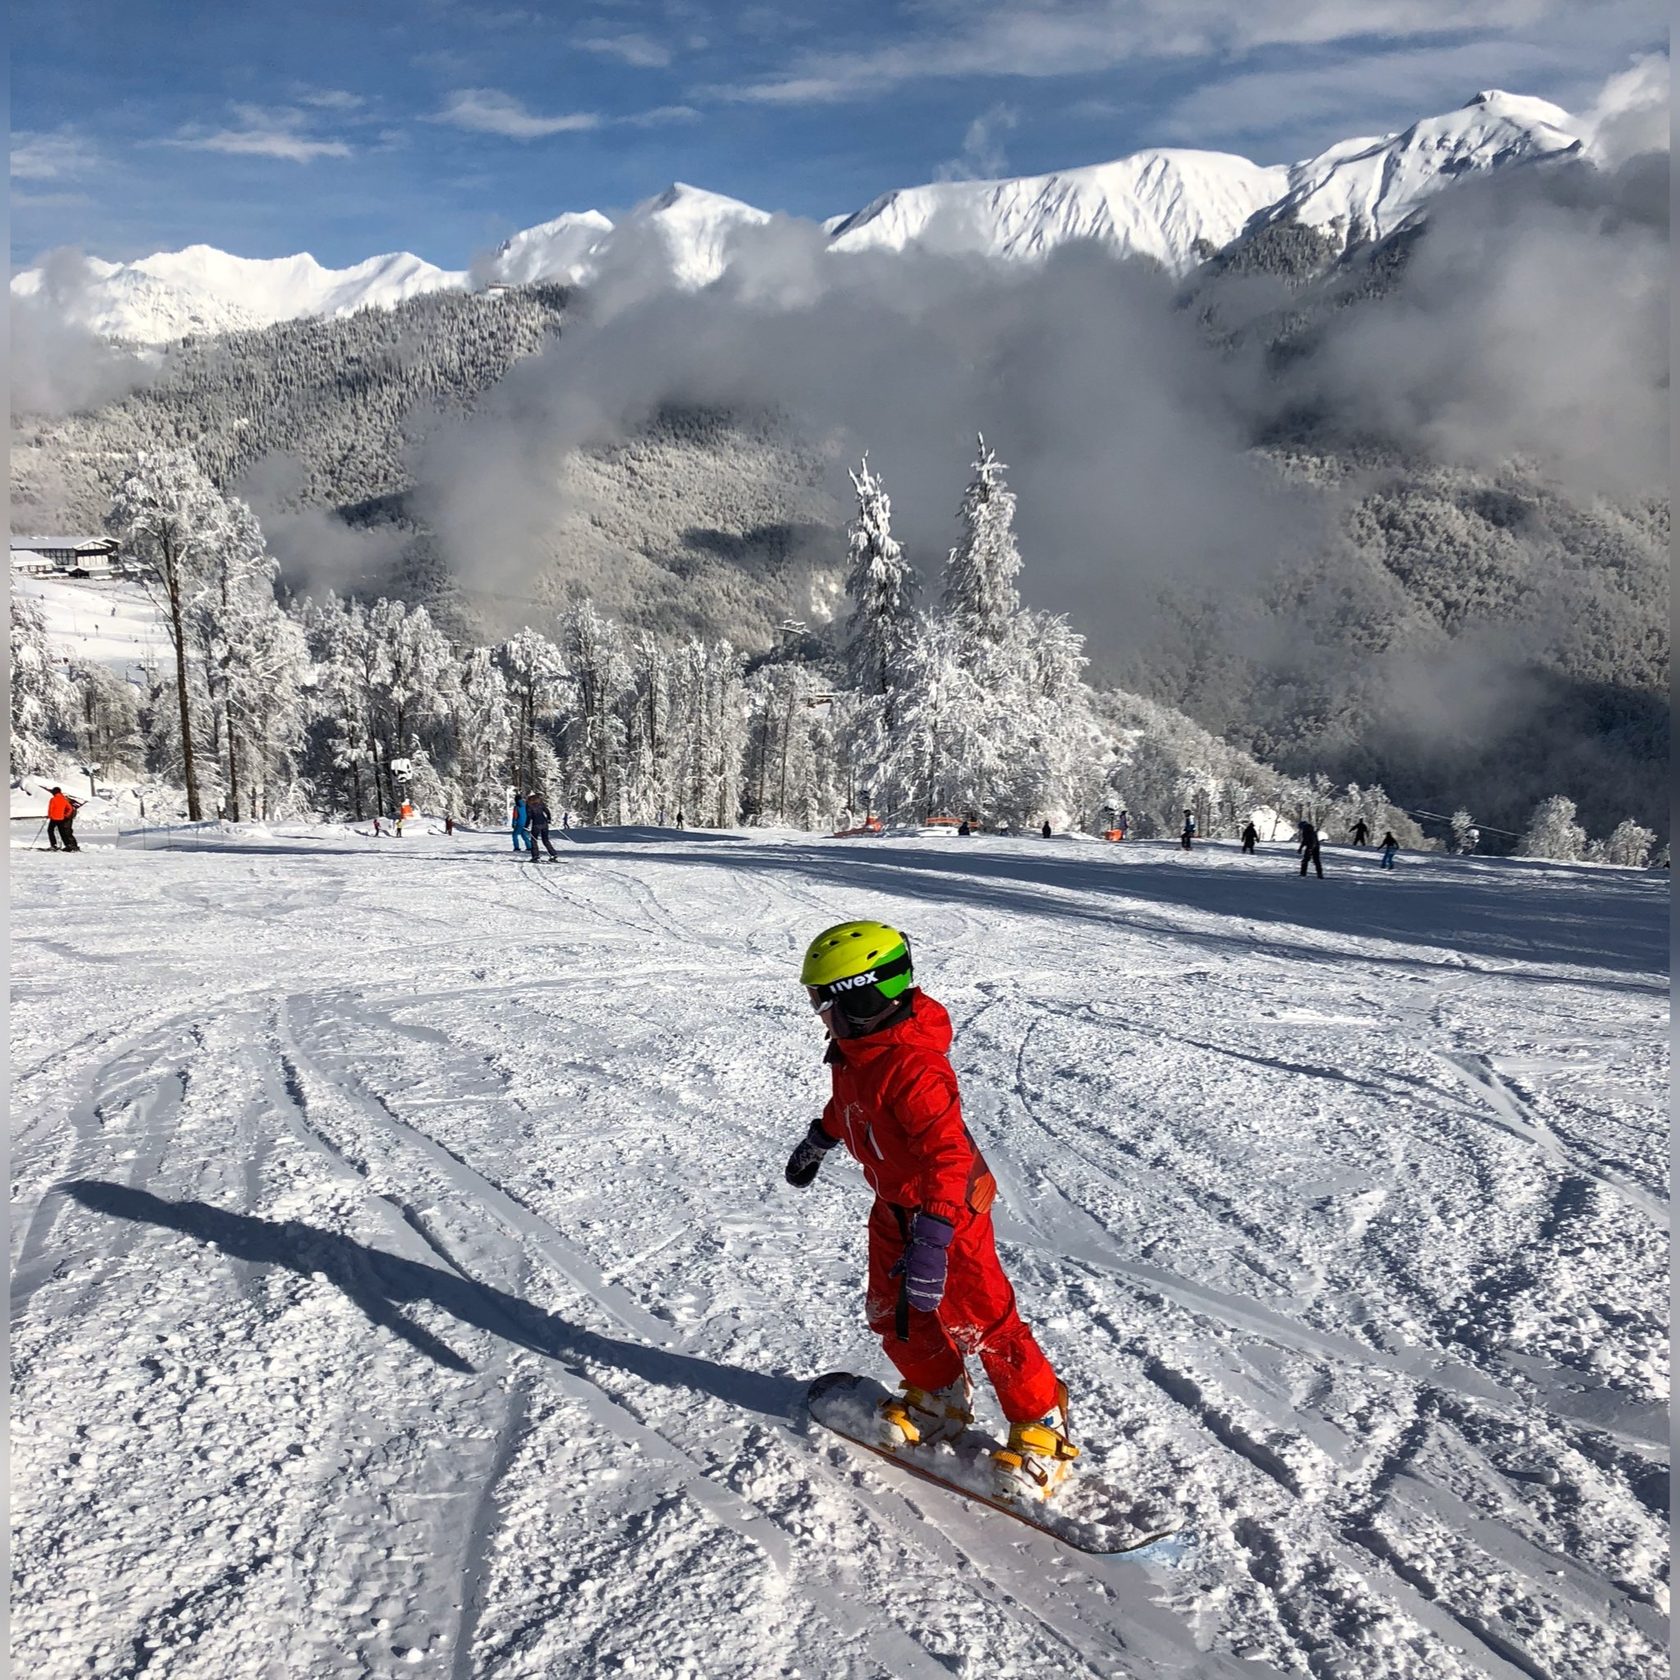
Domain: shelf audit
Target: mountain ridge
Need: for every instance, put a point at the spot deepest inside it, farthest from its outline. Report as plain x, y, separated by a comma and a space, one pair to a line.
1175, 206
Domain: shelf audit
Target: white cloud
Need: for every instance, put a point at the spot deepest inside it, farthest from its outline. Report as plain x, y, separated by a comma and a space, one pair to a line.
982, 156
1631, 113
642, 51
1082, 37
1350, 92
332, 99
489, 111
264, 132
51, 157
660, 114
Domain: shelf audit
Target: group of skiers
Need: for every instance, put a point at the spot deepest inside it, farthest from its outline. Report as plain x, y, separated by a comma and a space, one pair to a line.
531, 820
1308, 843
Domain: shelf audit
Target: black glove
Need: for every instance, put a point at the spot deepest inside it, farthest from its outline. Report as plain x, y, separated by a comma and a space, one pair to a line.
807, 1156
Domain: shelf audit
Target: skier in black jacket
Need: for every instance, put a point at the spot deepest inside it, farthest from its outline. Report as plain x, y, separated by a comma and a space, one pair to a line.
1308, 840
537, 819
1250, 837
1361, 832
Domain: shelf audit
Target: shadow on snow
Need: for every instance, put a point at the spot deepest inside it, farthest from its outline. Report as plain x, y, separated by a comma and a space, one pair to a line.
382, 1284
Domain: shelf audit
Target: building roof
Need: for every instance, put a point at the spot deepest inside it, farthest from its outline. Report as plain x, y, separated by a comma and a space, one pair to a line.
76, 543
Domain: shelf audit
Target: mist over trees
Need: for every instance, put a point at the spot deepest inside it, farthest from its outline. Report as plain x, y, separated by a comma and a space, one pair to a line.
973, 707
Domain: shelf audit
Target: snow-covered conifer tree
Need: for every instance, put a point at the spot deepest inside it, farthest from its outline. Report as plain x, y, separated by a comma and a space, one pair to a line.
535, 671
483, 736
882, 585
980, 571
1465, 834
41, 701
1552, 831
107, 718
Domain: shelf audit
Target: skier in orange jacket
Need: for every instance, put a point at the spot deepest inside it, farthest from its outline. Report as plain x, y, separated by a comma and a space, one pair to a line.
936, 1291
61, 818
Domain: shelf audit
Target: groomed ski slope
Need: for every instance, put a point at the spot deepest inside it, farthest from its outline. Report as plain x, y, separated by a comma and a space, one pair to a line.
404, 1280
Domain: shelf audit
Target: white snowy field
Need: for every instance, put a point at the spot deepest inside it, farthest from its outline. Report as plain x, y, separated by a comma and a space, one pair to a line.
108, 621
404, 1279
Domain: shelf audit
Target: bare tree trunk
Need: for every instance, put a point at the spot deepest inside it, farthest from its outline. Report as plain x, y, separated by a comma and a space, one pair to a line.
178, 633
233, 770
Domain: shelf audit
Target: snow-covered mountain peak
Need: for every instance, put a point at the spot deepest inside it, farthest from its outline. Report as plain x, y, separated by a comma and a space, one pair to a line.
1175, 205
200, 289
553, 250
1359, 190
1522, 108
1168, 204
690, 228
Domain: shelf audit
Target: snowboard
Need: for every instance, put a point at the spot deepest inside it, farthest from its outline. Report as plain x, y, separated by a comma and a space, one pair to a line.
1086, 1512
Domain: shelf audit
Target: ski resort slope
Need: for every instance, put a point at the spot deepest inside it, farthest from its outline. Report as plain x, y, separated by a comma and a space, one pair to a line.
404, 1280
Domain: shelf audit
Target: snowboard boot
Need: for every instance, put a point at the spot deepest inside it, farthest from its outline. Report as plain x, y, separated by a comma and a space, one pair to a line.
916, 1417
1038, 1457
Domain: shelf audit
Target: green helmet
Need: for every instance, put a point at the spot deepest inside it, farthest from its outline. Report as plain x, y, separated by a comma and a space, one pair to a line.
862, 968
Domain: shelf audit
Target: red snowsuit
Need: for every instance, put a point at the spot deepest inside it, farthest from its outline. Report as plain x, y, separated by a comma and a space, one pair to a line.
896, 1108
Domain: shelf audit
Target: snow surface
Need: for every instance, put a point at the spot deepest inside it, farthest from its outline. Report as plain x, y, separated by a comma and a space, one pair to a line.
1175, 206
104, 621
404, 1278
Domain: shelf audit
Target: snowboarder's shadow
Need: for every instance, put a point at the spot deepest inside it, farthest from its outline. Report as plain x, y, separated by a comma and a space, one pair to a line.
381, 1284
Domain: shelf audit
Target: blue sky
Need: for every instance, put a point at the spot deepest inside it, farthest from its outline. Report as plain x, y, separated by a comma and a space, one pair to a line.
441, 126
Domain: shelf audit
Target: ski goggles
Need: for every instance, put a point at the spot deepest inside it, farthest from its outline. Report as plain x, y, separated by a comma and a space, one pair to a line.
882, 984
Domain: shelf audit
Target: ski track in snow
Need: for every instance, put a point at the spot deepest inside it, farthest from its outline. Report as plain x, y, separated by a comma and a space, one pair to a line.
403, 1279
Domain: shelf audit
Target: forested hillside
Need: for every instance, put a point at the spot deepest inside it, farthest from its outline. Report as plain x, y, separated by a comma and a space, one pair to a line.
702, 523
1468, 604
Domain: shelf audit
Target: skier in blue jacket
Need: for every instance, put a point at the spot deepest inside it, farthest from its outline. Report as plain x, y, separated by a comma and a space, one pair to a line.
521, 825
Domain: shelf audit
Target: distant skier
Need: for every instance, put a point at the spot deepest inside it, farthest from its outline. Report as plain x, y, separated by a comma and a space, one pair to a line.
378, 832
521, 826
61, 821
1307, 839
936, 1291
538, 818
1250, 837
448, 823
679, 819
1045, 831
1361, 832
1389, 847
1188, 832
963, 827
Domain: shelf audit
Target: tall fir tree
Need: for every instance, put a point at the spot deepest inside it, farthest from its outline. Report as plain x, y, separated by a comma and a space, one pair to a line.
882, 586
980, 571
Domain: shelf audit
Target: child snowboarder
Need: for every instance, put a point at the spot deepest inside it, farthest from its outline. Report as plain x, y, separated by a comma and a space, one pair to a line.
936, 1292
